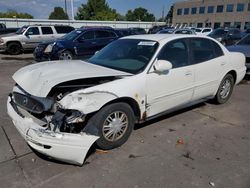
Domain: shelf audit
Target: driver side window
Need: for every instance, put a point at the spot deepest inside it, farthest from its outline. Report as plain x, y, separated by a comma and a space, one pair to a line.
175, 52
33, 31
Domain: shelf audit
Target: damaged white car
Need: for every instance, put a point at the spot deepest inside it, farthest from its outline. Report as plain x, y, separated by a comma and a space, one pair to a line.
62, 108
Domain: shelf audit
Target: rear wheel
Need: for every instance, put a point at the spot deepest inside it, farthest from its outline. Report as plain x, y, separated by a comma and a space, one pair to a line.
66, 55
115, 123
225, 89
14, 48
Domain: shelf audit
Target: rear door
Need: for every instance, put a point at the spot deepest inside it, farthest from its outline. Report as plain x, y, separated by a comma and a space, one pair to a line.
47, 33
208, 60
104, 37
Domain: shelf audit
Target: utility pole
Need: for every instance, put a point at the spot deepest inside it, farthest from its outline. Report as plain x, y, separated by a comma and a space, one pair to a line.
72, 10
65, 6
163, 12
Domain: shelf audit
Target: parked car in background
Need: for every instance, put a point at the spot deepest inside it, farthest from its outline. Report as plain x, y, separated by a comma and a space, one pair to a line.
227, 36
130, 31
62, 108
177, 31
28, 37
83, 42
157, 28
203, 31
243, 46
5, 30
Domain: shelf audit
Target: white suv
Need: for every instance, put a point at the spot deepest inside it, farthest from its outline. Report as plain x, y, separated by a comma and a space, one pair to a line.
28, 37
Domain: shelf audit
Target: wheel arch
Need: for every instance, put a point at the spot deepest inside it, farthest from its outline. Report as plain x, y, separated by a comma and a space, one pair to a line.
233, 73
131, 102
14, 41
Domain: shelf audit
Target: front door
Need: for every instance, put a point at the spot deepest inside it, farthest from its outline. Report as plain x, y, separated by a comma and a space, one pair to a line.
32, 38
175, 87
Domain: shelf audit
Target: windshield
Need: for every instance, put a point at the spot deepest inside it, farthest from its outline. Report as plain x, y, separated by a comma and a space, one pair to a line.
21, 30
245, 40
128, 55
72, 35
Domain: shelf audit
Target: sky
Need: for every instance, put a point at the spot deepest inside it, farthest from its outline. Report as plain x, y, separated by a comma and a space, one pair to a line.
41, 9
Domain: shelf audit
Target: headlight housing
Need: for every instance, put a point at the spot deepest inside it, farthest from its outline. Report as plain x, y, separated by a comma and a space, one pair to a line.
49, 48
1, 40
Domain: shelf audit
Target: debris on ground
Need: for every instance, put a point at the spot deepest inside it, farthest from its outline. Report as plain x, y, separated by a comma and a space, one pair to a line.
212, 184
133, 156
142, 141
188, 155
101, 151
33, 160
180, 142
171, 130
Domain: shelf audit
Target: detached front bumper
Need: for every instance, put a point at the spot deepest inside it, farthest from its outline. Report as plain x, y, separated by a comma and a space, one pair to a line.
71, 148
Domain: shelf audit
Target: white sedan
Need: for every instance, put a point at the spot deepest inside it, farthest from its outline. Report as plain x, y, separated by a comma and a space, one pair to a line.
62, 108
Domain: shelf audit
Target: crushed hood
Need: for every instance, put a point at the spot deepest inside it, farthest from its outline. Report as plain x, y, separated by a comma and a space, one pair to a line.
38, 79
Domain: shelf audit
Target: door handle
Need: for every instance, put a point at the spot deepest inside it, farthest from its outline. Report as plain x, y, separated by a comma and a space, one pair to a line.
188, 73
222, 63
93, 42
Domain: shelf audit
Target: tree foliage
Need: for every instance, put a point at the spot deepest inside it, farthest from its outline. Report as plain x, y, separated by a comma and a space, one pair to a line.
58, 14
139, 14
15, 14
169, 17
96, 10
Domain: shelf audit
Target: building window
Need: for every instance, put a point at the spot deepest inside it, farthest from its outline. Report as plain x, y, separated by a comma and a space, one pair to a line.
186, 11
194, 10
219, 8
230, 8
202, 10
216, 25
240, 7
227, 24
199, 25
248, 7
210, 9
247, 25
237, 24
179, 11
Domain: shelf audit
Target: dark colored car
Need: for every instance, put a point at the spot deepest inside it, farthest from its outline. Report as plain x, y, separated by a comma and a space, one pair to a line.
243, 46
131, 31
227, 36
83, 42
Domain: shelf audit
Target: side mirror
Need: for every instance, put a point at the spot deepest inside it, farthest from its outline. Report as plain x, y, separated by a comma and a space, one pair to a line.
162, 66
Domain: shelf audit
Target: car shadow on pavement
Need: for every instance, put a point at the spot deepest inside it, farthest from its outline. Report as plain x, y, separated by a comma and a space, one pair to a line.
168, 115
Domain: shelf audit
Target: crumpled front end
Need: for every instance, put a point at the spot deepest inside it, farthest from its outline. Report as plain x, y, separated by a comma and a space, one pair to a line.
45, 136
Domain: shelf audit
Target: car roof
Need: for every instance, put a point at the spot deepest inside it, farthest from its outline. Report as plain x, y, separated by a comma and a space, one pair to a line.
163, 37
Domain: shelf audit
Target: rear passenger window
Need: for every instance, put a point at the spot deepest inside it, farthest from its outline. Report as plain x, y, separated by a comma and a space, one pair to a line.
63, 29
47, 30
33, 31
175, 52
217, 50
112, 34
206, 30
88, 35
202, 50
102, 34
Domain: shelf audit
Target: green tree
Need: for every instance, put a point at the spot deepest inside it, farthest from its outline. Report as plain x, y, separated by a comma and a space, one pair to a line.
58, 14
169, 17
15, 14
96, 10
139, 14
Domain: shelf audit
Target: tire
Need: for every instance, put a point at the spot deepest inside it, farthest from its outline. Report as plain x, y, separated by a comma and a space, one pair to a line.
225, 89
115, 123
65, 55
14, 48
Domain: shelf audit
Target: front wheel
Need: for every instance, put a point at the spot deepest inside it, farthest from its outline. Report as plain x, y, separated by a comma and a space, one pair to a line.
115, 123
14, 48
66, 55
225, 89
